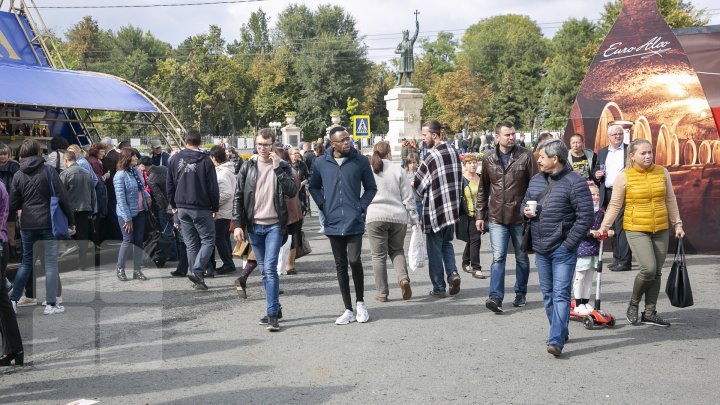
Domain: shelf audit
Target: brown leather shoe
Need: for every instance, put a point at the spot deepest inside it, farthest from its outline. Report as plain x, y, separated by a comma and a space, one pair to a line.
381, 298
405, 289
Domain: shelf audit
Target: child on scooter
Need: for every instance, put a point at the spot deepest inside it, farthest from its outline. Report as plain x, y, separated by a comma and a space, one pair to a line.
587, 260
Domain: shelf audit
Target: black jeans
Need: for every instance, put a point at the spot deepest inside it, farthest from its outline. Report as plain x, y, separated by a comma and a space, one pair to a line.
471, 254
223, 247
347, 249
82, 236
11, 339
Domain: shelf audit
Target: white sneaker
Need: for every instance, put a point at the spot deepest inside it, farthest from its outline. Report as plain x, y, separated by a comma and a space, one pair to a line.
590, 307
14, 305
582, 310
26, 302
58, 301
362, 312
345, 318
57, 309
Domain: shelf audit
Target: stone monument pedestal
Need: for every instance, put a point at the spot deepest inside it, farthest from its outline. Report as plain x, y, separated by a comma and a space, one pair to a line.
403, 105
291, 135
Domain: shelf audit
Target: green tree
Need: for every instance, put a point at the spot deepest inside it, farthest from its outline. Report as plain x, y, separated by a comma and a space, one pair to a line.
441, 54
458, 94
379, 81
254, 36
86, 39
677, 13
509, 52
329, 63
573, 48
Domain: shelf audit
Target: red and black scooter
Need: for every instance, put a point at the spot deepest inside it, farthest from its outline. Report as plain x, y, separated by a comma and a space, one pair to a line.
597, 317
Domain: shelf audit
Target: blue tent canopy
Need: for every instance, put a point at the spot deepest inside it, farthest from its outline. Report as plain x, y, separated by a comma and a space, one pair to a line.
47, 87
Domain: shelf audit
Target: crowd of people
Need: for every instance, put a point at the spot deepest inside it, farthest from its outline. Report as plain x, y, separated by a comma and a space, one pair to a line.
555, 201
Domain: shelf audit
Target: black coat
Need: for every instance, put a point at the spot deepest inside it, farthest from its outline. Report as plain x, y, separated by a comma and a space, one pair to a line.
7, 172
601, 158
31, 194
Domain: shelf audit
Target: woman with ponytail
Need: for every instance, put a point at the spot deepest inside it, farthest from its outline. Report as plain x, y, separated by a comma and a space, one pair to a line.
386, 222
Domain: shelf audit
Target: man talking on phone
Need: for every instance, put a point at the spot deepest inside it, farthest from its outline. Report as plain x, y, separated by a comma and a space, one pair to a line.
260, 212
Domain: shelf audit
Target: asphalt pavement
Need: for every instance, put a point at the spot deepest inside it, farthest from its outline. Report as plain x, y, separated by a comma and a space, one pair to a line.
161, 342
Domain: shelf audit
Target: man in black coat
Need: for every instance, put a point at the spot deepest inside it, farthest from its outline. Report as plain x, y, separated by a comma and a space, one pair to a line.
610, 162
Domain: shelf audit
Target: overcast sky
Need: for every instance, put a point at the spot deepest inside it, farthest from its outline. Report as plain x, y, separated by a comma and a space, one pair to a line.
380, 21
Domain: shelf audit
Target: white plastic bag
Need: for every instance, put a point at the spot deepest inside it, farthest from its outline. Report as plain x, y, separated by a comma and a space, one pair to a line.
283, 256
417, 253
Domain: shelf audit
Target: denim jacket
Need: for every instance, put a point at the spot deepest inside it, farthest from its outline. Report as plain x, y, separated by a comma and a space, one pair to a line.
126, 193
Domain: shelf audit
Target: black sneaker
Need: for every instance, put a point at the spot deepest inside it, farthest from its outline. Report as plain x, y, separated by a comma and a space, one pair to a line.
519, 300
654, 320
632, 314
273, 325
454, 282
264, 319
494, 305
176, 274
198, 283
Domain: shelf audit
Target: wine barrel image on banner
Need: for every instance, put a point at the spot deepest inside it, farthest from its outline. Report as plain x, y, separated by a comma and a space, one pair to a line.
705, 152
688, 152
610, 113
716, 152
662, 153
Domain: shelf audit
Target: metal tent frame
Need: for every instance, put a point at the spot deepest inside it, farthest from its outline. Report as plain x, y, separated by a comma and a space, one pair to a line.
81, 121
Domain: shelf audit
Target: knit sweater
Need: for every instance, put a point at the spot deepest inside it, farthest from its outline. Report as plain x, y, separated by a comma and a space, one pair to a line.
394, 201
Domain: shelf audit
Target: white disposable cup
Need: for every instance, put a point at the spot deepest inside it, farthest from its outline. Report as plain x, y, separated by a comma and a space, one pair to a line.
533, 206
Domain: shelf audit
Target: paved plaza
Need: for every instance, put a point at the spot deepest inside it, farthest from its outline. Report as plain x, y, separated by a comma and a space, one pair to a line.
159, 342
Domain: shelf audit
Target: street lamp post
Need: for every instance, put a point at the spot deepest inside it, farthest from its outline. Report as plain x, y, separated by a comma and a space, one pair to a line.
275, 126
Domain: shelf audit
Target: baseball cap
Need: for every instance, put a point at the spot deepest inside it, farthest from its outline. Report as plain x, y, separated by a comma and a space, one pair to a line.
155, 143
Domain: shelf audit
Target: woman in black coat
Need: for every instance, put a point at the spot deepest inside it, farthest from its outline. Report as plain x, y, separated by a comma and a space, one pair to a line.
12, 348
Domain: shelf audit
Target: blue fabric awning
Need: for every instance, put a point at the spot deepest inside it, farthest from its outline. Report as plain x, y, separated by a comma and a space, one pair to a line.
47, 87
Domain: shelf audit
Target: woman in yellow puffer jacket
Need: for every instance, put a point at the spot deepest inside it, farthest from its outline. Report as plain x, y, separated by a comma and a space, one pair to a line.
649, 199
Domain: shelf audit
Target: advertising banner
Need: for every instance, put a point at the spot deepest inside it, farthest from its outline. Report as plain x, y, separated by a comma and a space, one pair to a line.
643, 76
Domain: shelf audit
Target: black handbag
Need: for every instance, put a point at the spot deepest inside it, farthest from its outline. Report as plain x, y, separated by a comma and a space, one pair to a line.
678, 283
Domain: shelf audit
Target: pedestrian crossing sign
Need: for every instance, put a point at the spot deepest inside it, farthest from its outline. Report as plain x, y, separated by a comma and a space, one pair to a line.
361, 127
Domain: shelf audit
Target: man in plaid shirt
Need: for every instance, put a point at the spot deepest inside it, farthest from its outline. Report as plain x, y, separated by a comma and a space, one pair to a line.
439, 181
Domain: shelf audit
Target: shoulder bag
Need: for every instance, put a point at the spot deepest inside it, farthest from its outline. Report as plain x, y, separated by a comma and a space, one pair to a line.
57, 216
678, 283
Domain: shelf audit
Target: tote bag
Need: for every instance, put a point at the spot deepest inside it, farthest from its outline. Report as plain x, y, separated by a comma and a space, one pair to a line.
678, 283
57, 216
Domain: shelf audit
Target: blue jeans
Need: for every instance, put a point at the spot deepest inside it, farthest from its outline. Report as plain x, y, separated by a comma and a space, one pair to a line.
29, 237
500, 236
132, 240
198, 232
441, 256
266, 241
555, 271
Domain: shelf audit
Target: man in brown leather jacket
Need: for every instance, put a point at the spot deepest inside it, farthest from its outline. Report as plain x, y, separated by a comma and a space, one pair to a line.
506, 174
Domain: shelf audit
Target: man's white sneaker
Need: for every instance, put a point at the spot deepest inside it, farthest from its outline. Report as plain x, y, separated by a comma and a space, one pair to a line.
58, 301
362, 312
26, 302
345, 318
57, 309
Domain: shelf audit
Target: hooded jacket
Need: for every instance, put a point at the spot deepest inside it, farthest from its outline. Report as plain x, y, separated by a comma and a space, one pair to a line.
30, 192
192, 181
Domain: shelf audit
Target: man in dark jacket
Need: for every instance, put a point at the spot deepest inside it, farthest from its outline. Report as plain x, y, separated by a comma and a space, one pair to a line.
193, 193
259, 210
335, 186
563, 216
81, 196
506, 173
157, 182
610, 162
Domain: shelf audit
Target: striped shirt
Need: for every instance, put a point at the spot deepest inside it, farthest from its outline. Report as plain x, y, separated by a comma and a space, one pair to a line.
439, 181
